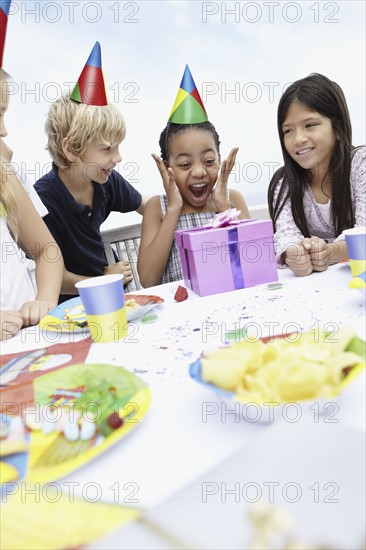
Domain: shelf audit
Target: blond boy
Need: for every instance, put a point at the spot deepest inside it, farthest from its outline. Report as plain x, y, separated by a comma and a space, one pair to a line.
83, 188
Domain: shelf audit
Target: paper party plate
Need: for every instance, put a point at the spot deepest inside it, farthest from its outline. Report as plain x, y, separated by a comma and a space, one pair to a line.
260, 387
82, 411
70, 316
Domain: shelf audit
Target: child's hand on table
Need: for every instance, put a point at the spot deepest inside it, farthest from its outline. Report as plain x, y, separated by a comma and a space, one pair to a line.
32, 312
10, 323
220, 192
297, 258
320, 253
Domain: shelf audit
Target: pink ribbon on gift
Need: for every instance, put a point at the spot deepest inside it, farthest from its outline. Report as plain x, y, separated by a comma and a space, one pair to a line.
223, 219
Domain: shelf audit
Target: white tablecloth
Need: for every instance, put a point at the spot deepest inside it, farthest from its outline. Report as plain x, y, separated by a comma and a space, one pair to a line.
179, 442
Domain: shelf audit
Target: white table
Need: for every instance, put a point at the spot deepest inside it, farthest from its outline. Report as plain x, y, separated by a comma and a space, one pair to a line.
178, 442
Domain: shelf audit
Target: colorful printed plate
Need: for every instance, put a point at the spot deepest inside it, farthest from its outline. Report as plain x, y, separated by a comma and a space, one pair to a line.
146, 303
57, 319
53, 456
266, 413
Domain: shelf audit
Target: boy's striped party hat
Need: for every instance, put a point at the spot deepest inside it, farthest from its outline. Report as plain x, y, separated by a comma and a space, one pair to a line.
188, 107
4, 12
90, 88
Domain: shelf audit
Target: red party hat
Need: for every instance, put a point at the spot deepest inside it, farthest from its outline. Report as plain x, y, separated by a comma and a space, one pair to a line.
4, 12
90, 88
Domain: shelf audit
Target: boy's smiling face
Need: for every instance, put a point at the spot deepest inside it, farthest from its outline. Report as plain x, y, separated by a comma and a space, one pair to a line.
96, 164
195, 162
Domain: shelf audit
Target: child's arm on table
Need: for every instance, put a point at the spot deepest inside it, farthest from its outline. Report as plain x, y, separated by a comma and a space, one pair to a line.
158, 234
40, 245
314, 254
221, 196
287, 235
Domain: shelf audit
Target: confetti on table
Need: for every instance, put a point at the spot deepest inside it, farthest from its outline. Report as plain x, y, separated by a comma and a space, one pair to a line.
151, 318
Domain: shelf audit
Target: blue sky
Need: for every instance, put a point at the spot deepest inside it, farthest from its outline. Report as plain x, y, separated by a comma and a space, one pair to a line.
241, 55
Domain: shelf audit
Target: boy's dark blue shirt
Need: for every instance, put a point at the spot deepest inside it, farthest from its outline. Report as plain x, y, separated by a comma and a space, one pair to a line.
76, 227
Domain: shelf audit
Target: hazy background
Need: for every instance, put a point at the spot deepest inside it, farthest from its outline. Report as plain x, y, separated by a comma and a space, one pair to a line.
241, 55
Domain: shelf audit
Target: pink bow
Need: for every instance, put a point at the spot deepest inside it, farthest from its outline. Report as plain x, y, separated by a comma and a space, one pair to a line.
229, 217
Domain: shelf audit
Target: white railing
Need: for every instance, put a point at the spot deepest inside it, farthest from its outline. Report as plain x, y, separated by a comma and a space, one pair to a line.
259, 212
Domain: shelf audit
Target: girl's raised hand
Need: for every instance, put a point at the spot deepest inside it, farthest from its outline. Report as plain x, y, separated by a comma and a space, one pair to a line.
220, 193
175, 201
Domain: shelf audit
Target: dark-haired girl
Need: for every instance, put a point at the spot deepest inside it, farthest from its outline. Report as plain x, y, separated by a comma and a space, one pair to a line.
321, 189
196, 188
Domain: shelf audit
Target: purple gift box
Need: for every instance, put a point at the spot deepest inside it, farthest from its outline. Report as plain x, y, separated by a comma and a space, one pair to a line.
227, 258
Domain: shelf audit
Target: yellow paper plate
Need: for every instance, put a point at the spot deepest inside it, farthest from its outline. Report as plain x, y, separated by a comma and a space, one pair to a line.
52, 456
68, 316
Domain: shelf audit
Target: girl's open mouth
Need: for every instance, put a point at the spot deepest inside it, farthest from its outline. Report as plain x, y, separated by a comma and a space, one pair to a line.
198, 190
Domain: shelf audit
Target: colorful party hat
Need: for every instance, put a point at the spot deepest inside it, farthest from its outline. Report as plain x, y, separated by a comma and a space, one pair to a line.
4, 12
188, 107
90, 88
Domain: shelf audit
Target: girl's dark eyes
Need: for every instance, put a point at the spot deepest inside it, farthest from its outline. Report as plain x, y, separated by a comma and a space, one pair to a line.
186, 165
308, 125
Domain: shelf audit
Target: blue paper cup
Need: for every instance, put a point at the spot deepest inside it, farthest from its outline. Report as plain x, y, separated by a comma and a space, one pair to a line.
356, 248
104, 304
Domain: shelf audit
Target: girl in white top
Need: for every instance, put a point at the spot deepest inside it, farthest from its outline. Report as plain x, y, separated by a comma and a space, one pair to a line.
21, 304
321, 189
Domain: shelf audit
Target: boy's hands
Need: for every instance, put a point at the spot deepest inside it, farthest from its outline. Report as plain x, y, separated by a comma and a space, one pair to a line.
175, 201
122, 267
311, 254
32, 312
220, 192
10, 323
